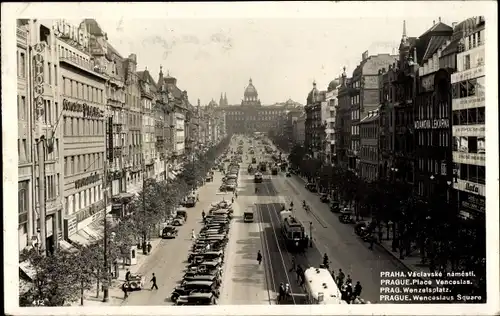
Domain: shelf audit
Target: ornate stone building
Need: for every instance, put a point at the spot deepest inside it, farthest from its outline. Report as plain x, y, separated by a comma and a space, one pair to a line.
251, 116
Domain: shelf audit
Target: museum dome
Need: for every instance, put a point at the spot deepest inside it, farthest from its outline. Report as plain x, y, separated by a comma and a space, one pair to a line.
250, 91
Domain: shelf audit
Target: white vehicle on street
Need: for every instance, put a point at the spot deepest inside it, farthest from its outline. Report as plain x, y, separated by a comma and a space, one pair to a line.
321, 288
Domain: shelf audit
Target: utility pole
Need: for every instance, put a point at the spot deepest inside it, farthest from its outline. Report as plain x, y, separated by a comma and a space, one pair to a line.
310, 234
41, 194
109, 142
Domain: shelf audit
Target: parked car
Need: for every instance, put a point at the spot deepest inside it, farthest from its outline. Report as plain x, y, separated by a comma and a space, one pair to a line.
136, 282
311, 187
178, 221
169, 232
335, 206
324, 198
346, 216
195, 287
181, 213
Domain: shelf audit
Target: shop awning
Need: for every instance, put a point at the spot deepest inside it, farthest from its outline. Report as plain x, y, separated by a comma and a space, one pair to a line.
63, 244
27, 269
94, 236
80, 237
97, 228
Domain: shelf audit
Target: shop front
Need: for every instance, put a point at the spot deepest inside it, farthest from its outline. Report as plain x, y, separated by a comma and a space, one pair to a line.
87, 225
470, 205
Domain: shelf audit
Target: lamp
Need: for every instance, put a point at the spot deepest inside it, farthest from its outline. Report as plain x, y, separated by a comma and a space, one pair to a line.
432, 177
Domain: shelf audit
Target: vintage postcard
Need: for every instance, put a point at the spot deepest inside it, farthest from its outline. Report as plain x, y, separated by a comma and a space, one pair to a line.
250, 158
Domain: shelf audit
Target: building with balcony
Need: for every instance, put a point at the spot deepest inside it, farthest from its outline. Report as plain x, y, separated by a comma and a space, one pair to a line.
468, 119
431, 94
299, 130
343, 122
369, 153
84, 125
315, 126
330, 116
364, 98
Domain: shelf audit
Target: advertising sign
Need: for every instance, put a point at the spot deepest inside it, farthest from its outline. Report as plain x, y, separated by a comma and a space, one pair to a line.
469, 158
469, 130
70, 226
38, 78
472, 202
432, 124
470, 187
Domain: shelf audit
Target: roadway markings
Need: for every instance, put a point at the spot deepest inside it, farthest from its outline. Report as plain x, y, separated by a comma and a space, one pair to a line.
265, 248
279, 246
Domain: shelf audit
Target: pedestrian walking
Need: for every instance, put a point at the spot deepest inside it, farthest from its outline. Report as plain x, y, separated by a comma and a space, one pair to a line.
149, 247
125, 290
299, 272
349, 292
127, 275
203, 215
281, 292
197, 197
293, 265
357, 289
259, 257
232, 199
340, 277
153, 279
236, 194
193, 235
348, 280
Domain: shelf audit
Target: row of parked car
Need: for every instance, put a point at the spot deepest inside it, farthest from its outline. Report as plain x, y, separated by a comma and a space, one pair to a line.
203, 275
230, 180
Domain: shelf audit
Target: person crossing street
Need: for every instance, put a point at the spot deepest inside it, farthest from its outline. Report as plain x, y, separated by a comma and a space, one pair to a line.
259, 257
153, 279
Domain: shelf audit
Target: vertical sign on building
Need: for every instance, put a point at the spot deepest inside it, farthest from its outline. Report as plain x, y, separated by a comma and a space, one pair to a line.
109, 134
38, 78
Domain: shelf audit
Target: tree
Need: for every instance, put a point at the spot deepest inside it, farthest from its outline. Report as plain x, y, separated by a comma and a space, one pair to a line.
54, 280
297, 155
89, 267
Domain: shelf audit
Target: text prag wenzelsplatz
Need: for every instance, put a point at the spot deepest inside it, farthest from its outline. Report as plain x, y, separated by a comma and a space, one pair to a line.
424, 287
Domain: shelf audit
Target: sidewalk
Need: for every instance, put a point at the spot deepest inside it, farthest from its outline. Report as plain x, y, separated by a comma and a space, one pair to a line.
411, 262
115, 292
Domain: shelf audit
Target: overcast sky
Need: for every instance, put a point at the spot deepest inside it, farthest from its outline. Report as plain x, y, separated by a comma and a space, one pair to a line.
213, 48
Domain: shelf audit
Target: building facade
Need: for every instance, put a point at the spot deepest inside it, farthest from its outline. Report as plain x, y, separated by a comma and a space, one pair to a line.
343, 122
315, 134
251, 116
468, 123
369, 153
299, 130
330, 116
364, 98
83, 95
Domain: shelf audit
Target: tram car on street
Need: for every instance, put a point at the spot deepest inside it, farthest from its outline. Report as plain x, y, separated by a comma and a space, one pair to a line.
274, 170
293, 231
262, 166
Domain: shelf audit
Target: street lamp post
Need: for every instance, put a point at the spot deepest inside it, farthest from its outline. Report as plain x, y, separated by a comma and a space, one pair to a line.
310, 234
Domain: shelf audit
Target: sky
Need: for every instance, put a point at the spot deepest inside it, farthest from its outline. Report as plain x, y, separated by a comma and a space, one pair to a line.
216, 48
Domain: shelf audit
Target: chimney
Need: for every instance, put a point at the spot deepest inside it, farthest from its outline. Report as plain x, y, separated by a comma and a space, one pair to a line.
433, 22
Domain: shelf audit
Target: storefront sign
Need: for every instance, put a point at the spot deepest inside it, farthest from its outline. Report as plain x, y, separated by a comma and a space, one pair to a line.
89, 211
38, 78
472, 202
88, 111
78, 35
70, 226
469, 158
432, 124
468, 103
467, 74
471, 187
86, 181
469, 130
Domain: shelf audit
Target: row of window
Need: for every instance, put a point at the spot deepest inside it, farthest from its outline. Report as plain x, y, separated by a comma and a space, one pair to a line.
24, 151
82, 199
78, 90
68, 53
431, 166
369, 153
75, 126
468, 88
474, 40
355, 99
472, 173
355, 115
355, 130
472, 116
469, 144
83, 163
369, 131
433, 138
133, 100
429, 110
355, 145
50, 110
21, 64
261, 113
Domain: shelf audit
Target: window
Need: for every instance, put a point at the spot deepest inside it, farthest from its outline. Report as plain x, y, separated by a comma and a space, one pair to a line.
467, 61
22, 65
55, 75
23, 196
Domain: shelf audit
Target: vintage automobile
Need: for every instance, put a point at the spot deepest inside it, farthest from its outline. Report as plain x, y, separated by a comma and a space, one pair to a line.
206, 256
209, 177
195, 287
178, 221
254, 160
169, 232
202, 277
248, 216
181, 213
324, 198
346, 216
274, 171
197, 299
335, 206
311, 187
135, 282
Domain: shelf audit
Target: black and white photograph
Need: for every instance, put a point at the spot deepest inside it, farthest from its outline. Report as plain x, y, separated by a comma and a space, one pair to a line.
250, 158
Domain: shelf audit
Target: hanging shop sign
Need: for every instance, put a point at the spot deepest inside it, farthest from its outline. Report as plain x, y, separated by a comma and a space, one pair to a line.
469, 158
470, 187
88, 111
89, 211
77, 36
472, 202
87, 181
38, 78
432, 124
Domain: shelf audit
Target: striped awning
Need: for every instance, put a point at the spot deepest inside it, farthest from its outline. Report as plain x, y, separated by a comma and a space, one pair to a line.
80, 237
63, 244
